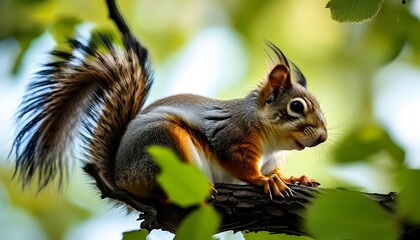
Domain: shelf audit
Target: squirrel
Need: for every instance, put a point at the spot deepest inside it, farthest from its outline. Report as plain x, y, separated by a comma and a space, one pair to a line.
96, 92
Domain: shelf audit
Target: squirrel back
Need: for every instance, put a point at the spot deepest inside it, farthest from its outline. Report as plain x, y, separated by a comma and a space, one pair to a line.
81, 94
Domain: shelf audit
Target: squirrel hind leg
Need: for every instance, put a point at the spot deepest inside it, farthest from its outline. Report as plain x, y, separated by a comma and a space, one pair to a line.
135, 170
139, 178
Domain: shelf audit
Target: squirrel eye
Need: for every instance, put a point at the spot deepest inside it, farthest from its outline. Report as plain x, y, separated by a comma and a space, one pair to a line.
296, 107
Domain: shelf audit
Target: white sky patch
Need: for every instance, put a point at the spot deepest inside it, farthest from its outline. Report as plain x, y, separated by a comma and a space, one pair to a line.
355, 174
397, 104
107, 226
214, 59
12, 90
415, 9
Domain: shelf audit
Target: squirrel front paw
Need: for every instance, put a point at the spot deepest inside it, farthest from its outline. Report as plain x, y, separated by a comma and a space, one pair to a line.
275, 185
302, 180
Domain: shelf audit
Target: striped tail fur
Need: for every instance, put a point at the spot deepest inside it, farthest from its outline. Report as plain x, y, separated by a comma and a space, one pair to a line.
91, 92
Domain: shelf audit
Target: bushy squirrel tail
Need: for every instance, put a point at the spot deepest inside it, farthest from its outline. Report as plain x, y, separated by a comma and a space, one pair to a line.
90, 93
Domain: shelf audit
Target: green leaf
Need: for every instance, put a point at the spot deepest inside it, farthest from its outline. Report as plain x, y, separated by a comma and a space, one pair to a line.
354, 10
184, 183
136, 235
267, 236
408, 198
364, 141
200, 224
349, 215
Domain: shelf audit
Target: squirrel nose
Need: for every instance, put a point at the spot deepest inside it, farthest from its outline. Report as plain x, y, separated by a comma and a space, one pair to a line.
323, 135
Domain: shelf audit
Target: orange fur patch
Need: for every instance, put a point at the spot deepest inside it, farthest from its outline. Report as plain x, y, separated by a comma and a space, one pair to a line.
244, 160
185, 135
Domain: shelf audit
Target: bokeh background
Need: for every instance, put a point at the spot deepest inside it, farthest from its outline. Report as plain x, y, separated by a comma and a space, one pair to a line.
366, 76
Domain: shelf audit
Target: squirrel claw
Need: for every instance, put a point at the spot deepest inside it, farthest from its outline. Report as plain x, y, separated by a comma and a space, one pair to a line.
303, 180
267, 190
281, 195
312, 184
290, 191
316, 184
149, 217
213, 190
274, 185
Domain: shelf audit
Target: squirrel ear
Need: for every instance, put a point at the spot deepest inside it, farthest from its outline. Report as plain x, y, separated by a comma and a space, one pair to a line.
279, 77
298, 76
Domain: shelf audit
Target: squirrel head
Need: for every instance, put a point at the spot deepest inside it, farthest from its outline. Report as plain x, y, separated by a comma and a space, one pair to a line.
292, 116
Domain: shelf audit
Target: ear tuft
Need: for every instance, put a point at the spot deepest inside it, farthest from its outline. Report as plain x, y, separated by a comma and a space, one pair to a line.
281, 58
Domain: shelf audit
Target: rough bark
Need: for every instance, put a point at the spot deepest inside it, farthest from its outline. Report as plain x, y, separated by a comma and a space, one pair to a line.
243, 208
247, 208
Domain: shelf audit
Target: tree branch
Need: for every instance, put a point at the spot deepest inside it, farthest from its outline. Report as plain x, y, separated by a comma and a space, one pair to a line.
242, 208
245, 207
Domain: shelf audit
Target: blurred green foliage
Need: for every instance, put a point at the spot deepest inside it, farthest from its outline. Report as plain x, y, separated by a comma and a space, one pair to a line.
347, 56
368, 140
55, 213
268, 236
350, 215
408, 204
